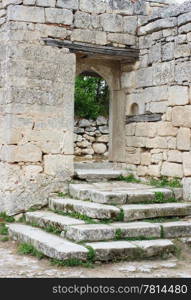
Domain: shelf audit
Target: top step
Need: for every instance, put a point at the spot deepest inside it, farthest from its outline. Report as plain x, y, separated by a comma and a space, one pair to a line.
93, 165
98, 174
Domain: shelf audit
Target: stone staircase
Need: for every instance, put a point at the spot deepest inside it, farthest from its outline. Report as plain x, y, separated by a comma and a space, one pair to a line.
108, 221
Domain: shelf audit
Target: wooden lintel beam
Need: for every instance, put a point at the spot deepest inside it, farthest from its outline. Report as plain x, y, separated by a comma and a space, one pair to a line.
149, 117
87, 49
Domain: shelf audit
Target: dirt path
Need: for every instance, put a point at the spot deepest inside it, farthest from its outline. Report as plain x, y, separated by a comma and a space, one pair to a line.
13, 265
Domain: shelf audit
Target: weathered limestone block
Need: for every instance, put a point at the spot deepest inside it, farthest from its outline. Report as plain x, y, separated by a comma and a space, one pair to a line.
88, 36
154, 170
59, 16
146, 129
121, 38
144, 77
133, 158
168, 51
163, 73
93, 6
69, 4
128, 79
26, 14
156, 158
142, 170
46, 3
157, 107
181, 116
155, 53
157, 142
182, 50
171, 141
172, 170
184, 18
178, 95
134, 141
182, 72
158, 25
130, 24
187, 163
112, 22
82, 20
145, 158
166, 129
23, 153
51, 141
55, 31
175, 156
31, 171
184, 139
58, 165
6, 3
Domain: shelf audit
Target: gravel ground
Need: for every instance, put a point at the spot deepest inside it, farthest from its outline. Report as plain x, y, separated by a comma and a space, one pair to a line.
14, 265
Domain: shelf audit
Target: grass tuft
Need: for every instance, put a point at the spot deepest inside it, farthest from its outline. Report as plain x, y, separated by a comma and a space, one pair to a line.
3, 229
28, 249
164, 182
6, 218
129, 178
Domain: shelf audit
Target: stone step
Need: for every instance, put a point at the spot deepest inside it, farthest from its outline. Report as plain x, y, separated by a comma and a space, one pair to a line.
145, 211
49, 244
98, 174
115, 250
46, 218
94, 165
176, 229
118, 192
101, 232
89, 209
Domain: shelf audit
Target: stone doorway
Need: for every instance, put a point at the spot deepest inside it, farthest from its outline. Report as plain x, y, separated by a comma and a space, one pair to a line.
110, 71
91, 118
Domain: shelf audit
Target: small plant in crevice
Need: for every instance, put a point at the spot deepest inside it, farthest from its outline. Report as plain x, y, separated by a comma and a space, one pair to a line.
91, 254
6, 218
3, 229
62, 195
128, 178
165, 182
118, 234
162, 234
120, 217
29, 249
159, 197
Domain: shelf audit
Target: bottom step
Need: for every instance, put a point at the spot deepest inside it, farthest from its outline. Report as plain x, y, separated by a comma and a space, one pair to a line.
49, 244
56, 247
110, 251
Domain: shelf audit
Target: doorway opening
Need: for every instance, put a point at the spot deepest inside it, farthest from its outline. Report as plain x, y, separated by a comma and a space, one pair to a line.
91, 125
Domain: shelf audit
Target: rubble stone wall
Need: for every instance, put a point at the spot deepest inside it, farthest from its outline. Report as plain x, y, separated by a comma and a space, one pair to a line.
91, 138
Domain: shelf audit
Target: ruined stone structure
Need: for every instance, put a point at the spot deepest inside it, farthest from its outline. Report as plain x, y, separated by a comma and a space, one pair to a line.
150, 110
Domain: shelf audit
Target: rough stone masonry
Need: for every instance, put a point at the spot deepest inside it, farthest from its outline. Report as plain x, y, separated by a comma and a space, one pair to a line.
37, 91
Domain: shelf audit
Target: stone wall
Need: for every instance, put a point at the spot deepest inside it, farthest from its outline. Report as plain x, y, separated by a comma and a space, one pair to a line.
91, 138
161, 83
37, 88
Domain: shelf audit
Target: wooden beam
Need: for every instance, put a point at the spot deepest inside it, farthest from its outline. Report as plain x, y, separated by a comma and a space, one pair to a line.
149, 117
95, 50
